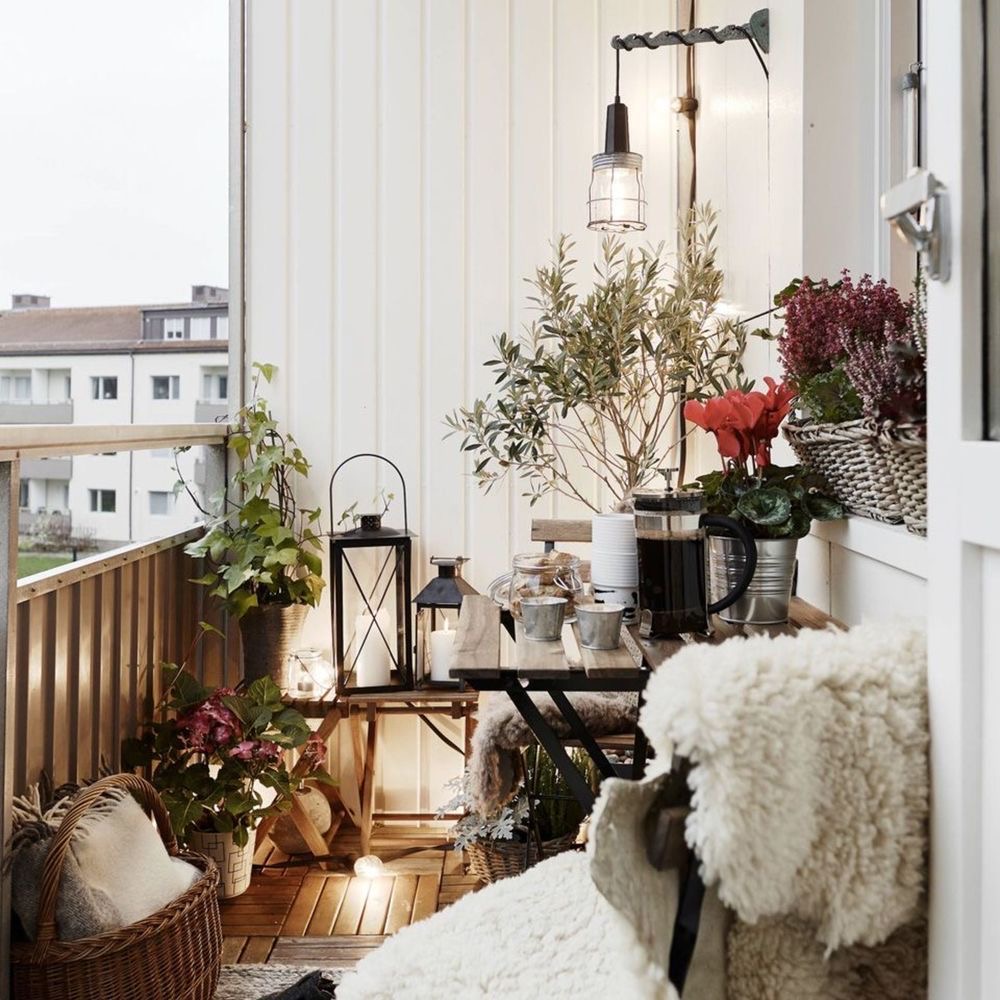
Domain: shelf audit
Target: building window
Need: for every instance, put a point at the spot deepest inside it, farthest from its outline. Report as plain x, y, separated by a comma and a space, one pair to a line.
103, 501
221, 328
22, 499
215, 387
166, 387
161, 502
201, 327
15, 388
173, 328
64, 497
104, 387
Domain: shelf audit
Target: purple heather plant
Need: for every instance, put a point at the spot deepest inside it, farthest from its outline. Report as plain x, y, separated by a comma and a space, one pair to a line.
855, 337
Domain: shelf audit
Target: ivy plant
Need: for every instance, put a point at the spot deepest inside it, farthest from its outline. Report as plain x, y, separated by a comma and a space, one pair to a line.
261, 548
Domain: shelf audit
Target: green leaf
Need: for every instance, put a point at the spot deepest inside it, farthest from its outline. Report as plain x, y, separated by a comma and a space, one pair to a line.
765, 507
823, 508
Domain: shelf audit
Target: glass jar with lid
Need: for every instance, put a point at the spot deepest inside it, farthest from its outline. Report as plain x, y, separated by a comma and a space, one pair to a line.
540, 574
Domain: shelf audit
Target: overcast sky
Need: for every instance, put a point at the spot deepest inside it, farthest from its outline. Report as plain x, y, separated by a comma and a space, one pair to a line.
113, 149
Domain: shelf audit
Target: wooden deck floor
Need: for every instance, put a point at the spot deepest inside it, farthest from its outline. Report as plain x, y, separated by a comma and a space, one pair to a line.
306, 916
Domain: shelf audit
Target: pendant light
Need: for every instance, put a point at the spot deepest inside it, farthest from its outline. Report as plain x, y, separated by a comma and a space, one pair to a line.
617, 201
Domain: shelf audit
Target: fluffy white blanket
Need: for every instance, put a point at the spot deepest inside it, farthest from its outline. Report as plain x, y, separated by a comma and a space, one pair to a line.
547, 933
810, 779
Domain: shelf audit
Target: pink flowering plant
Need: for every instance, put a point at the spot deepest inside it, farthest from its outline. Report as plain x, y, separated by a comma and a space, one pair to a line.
774, 501
854, 348
216, 750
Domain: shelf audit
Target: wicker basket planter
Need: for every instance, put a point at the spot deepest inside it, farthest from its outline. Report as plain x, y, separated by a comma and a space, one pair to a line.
492, 861
174, 954
269, 633
905, 449
852, 459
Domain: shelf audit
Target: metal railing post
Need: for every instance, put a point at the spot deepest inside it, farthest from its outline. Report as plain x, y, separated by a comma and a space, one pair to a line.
10, 476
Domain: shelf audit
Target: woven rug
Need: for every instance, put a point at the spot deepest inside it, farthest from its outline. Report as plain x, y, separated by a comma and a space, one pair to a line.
250, 982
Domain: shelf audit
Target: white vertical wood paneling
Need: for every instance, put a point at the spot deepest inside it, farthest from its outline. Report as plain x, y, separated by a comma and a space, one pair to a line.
408, 164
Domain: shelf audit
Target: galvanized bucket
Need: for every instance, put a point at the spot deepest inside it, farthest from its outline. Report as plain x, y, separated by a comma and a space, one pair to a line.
766, 599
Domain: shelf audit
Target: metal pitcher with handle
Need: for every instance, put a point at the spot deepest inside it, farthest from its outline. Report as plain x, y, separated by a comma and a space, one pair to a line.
671, 527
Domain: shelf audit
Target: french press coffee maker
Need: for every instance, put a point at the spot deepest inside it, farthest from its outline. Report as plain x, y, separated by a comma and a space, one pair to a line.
671, 526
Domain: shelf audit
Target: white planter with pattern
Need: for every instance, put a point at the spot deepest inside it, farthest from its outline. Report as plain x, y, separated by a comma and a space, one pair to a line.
235, 863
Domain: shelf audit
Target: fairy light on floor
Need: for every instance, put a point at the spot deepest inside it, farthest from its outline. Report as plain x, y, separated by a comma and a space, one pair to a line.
369, 866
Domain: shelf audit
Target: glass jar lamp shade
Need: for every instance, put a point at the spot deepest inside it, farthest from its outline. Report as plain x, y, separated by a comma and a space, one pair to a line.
617, 201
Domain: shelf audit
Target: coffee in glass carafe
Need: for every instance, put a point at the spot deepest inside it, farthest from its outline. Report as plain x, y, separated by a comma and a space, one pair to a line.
671, 526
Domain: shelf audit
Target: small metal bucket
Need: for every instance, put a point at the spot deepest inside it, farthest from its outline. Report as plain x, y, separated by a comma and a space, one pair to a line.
766, 599
600, 625
542, 618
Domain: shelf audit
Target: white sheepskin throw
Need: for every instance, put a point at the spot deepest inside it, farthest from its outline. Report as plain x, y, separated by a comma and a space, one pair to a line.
810, 784
547, 933
780, 959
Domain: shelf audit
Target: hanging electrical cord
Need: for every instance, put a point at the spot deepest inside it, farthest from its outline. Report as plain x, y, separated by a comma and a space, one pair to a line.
688, 107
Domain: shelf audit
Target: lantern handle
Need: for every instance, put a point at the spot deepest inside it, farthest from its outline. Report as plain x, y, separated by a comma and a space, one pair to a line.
381, 458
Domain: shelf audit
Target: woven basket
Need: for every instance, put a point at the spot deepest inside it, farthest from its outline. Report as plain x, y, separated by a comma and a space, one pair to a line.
174, 954
905, 449
852, 460
490, 862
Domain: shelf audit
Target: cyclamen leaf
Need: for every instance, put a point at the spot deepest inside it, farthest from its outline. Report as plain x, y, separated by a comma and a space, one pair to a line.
765, 507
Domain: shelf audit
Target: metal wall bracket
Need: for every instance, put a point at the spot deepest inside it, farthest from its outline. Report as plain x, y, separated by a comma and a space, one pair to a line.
756, 30
917, 208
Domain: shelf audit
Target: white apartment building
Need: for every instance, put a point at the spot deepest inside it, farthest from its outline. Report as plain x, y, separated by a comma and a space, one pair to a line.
114, 365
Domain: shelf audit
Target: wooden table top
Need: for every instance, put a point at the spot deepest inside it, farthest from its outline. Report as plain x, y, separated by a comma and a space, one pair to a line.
477, 646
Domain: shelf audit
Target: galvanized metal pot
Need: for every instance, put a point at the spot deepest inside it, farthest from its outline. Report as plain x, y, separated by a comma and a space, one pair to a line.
766, 599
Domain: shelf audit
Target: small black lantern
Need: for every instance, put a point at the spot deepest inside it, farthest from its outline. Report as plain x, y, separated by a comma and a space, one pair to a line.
438, 608
370, 607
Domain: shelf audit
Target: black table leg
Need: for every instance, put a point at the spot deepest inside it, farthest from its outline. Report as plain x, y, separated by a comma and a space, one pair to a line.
692, 894
580, 732
640, 749
546, 735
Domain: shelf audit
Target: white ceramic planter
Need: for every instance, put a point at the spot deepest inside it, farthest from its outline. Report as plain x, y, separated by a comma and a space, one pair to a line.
235, 864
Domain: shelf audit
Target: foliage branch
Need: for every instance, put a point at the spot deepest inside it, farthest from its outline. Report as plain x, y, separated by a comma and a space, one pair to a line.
593, 386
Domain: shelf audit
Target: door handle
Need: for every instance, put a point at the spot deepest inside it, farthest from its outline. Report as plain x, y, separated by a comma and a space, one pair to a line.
917, 208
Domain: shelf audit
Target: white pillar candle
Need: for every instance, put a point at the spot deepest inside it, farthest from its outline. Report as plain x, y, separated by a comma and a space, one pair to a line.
372, 662
442, 652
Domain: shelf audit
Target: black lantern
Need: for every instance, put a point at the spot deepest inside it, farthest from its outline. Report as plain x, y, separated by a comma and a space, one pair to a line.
372, 627
438, 606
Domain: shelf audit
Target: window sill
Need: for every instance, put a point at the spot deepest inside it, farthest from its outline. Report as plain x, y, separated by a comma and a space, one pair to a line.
891, 544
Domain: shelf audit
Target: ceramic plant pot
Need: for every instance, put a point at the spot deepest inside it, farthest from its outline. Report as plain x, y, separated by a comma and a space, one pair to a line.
765, 601
269, 635
235, 863
285, 834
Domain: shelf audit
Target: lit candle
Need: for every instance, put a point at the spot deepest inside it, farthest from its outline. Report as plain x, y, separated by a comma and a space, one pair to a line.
372, 662
442, 652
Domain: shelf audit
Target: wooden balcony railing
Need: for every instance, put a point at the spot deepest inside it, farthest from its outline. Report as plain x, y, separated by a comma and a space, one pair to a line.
84, 642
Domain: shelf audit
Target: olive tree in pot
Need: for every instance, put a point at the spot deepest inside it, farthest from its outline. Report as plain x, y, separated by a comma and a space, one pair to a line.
261, 547
594, 388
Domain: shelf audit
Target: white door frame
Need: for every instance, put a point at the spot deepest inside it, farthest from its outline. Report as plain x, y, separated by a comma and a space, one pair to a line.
964, 480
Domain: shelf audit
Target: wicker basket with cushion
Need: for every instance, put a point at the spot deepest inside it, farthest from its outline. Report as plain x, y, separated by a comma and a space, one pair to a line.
492, 861
905, 448
174, 954
852, 460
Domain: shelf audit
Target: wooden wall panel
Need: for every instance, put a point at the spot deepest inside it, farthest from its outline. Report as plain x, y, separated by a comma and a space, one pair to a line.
408, 164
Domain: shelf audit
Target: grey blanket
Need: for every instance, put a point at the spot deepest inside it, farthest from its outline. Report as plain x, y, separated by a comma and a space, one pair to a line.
501, 732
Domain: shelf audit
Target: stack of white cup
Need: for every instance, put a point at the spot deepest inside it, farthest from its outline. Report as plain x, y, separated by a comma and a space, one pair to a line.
614, 564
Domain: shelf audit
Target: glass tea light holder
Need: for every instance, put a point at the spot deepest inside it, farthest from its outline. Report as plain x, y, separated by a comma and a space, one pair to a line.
438, 607
310, 674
